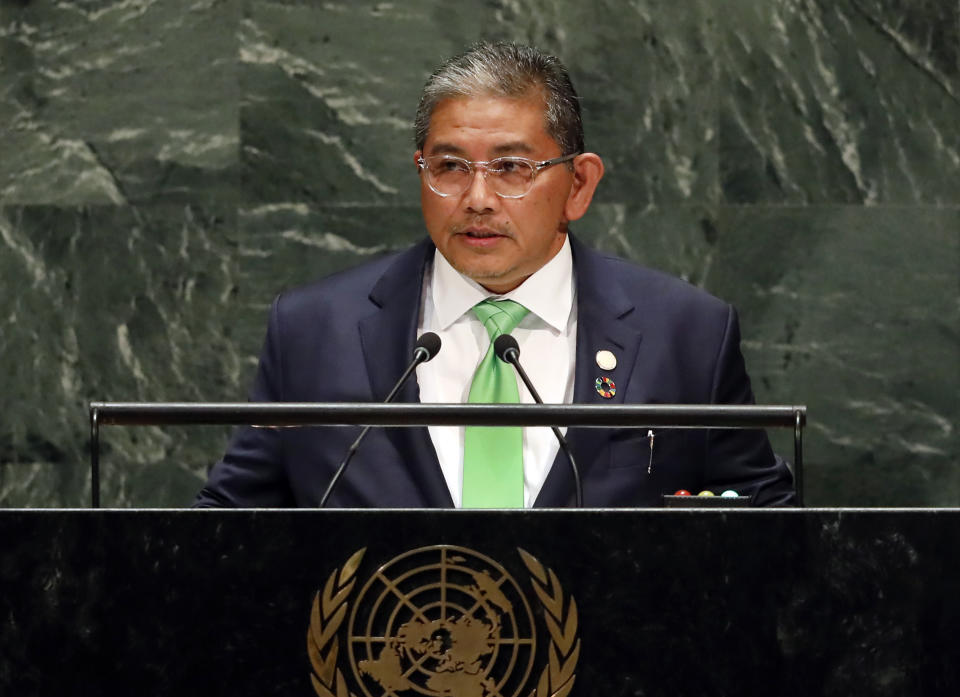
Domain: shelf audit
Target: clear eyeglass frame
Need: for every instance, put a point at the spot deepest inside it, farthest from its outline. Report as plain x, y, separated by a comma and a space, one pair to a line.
488, 167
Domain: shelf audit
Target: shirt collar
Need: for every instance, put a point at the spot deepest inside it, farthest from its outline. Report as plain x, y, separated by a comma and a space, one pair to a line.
548, 293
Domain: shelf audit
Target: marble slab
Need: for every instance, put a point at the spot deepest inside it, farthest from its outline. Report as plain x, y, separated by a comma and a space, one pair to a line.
854, 101
854, 312
168, 167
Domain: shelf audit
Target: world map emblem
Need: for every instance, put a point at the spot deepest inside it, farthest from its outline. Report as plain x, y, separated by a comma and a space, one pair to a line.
443, 621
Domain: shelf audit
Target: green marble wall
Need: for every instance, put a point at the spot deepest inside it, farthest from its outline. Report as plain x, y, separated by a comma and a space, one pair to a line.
166, 167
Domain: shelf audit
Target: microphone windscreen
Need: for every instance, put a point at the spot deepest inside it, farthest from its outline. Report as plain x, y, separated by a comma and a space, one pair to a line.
504, 343
430, 343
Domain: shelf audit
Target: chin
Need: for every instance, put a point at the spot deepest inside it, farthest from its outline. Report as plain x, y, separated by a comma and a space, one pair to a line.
483, 274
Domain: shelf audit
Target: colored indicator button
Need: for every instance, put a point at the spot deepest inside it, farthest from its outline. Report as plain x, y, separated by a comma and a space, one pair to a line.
706, 492
730, 494
681, 492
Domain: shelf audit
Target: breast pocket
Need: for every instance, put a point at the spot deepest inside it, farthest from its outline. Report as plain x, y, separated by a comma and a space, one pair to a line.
653, 449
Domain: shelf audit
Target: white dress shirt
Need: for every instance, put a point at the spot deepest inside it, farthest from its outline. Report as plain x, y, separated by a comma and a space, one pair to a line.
547, 337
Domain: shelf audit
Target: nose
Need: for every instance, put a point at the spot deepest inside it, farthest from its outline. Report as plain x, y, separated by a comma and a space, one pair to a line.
479, 196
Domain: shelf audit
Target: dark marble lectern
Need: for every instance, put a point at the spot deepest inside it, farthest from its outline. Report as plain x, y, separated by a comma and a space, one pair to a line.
369, 603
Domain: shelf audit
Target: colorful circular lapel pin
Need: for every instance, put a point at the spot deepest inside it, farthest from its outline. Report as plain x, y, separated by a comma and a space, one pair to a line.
606, 388
606, 360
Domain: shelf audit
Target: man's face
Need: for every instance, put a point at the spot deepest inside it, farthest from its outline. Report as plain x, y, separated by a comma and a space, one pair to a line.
498, 242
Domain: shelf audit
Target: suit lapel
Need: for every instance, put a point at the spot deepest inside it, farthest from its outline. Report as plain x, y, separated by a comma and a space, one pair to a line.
388, 336
604, 322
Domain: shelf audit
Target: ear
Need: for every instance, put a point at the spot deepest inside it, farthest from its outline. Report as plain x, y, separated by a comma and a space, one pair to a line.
587, 173
416, 158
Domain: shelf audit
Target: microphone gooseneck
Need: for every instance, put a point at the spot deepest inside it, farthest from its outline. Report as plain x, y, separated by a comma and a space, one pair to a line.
426, 348
507, 350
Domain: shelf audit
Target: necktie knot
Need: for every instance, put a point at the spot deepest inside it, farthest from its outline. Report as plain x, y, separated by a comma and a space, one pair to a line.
499, 316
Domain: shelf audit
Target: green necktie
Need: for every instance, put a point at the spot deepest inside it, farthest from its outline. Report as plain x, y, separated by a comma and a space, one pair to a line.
493, 455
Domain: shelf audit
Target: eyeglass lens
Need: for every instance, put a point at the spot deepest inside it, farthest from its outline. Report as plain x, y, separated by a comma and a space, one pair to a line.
451, 176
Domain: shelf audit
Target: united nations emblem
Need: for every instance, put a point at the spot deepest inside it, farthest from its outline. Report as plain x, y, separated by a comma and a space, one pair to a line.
442, 621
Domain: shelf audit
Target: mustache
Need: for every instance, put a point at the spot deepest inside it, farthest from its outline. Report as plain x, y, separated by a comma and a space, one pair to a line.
461, 228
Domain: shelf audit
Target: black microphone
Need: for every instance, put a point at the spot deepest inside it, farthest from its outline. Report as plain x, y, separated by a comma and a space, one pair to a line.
427, 346
508, 351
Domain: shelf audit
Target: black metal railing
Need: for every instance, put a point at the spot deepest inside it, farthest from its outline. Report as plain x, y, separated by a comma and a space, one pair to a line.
364, 414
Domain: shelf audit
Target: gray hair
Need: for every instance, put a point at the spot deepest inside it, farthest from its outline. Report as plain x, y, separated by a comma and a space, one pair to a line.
506, 70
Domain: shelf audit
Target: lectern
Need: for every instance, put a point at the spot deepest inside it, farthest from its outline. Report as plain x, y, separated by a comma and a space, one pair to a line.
580, 602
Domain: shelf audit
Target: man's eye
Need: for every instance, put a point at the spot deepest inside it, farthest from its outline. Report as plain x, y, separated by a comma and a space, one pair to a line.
454, 166
507, 167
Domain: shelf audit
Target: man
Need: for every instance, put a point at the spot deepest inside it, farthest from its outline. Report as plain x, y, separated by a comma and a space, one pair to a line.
503, 172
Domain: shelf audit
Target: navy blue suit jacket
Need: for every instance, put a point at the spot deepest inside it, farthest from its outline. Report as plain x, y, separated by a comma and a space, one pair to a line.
348, 337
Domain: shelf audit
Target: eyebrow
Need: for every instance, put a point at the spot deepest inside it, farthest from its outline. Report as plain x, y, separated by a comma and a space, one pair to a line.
513, 147
446, 149
510, 148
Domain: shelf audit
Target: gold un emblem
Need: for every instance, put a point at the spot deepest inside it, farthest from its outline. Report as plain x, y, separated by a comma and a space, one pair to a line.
442, 621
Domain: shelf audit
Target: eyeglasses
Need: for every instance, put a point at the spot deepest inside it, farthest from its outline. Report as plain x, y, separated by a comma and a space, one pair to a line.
509, 177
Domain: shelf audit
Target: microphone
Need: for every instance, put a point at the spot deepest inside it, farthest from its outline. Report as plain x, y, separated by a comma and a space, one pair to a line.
507, 350
427, 346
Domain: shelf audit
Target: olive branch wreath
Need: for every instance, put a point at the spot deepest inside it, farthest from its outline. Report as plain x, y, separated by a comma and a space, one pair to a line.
330, 608
326, 616
557, 677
